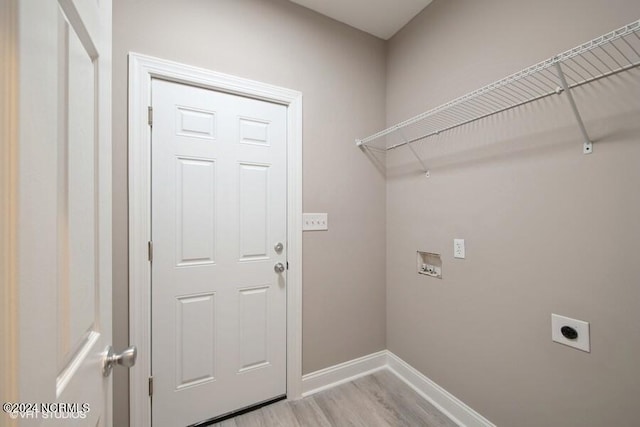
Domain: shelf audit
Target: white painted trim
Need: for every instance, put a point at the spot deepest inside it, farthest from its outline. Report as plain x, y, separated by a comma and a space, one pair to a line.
344, 372
8, 197
447, 403
142, 69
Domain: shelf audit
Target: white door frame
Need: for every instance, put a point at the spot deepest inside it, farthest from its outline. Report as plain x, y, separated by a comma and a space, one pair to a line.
9, 124
142, 69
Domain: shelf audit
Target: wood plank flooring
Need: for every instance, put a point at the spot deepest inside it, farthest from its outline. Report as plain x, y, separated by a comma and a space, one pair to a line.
379, 399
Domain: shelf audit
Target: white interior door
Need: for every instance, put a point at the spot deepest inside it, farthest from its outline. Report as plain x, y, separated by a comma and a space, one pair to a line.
64, 214
219, 191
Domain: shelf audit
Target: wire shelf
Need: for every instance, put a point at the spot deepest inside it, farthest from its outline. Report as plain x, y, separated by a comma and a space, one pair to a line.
601, 57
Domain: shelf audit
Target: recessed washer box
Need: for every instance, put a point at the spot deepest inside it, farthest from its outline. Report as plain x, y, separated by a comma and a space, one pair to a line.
429, 264
571, 332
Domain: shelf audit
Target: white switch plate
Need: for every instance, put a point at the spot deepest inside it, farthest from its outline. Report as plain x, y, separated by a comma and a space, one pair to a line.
582, 342
315, 221
458, 248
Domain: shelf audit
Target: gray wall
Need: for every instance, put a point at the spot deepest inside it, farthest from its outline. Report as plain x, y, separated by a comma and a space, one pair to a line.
547, 229
341, 73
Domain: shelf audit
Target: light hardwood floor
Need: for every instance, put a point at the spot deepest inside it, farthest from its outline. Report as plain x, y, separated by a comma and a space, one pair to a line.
379, 399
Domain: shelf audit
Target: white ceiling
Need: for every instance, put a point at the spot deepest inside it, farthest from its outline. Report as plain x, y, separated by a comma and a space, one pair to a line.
382, 18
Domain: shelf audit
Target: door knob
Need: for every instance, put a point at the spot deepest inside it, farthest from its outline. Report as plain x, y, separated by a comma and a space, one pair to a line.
127, 359
279, 267
278, 247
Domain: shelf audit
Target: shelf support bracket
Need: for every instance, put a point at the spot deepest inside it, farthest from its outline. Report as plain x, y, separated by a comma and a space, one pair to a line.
587, 147
408, 144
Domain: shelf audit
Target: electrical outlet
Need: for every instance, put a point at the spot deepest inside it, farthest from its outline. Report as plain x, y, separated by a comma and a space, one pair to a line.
571, 332
458, 248
315, 221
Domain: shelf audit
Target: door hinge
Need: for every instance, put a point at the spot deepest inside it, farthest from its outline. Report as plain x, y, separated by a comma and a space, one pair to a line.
150, 116
150, 386
150, 250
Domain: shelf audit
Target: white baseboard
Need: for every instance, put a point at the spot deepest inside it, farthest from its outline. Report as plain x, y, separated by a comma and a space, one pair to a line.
447, 403
343, 372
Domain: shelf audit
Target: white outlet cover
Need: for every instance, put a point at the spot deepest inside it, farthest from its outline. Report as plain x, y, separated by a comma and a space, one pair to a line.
458, 248
581, 343
315, 221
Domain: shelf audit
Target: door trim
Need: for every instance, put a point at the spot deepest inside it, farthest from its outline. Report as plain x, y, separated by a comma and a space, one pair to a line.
8, 195
142, 69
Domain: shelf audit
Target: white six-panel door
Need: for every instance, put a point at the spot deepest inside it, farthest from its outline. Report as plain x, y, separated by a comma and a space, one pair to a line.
64, 212
219, 204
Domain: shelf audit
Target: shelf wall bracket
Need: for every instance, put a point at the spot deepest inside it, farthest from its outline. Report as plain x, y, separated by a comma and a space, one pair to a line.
587, 147
408, 144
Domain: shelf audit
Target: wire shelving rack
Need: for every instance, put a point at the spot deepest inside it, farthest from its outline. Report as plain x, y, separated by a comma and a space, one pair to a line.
601, 57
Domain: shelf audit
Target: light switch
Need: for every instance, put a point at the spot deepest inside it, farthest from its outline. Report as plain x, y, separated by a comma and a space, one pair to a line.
315, 222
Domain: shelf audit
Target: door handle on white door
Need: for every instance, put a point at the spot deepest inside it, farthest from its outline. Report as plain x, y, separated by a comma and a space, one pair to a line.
127, 359
279, 267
